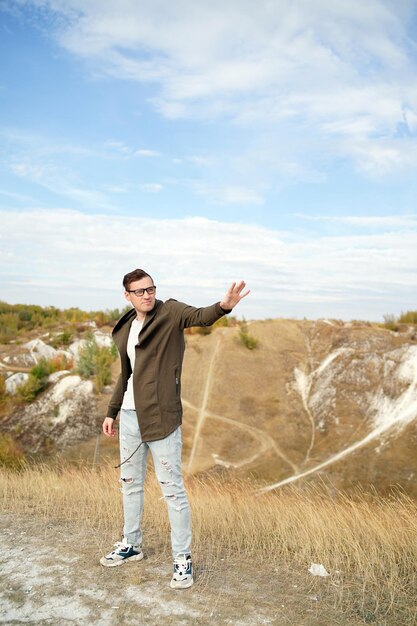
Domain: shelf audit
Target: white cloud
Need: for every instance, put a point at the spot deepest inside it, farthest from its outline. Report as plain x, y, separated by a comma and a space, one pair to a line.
58, 179
115, 189
228, 194
378, 158
343, 70
19, 197
119, 147
151, 187
66, 257
127, 151
397, 222
147, 153
203, 161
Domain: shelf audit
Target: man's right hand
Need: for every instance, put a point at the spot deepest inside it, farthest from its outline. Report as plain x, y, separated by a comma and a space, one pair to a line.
108, 429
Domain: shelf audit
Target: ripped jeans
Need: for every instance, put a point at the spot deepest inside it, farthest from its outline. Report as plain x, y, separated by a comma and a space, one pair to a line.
166, 455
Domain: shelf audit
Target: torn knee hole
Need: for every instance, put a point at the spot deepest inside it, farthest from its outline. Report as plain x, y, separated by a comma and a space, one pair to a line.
166, 465
127, 480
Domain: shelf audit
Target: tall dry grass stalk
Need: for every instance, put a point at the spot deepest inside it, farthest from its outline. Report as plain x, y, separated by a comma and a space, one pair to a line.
367, 543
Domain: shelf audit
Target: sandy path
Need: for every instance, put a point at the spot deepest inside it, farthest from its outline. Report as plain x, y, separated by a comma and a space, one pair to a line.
50, 575
203, 408
263, 441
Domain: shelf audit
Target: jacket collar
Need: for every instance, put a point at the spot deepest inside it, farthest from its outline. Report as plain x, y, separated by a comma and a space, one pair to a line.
128, 317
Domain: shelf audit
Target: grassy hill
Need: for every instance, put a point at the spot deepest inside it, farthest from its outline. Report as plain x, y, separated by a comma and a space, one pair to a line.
309, 391
275, 401
300, 442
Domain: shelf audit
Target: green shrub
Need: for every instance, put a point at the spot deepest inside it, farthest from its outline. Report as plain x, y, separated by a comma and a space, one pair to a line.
95, 361
3, 391
37, 381
8, 326
390, 322
245, 338
226, 320
410, 317
203, 330
15, 318
11, 455
42, 369
38, 377
2, 386
28, 391
62, 340
108, 317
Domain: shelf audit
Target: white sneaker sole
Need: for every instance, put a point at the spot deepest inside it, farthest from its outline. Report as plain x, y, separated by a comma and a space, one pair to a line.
108, 563
178, 584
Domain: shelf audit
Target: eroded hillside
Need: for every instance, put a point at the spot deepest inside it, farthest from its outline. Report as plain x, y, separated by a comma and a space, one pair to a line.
326, 399
329, 399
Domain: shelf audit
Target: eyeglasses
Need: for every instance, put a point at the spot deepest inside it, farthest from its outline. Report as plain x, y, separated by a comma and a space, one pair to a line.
140, 292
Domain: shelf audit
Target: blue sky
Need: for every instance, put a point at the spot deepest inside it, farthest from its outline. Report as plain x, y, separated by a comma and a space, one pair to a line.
207, 142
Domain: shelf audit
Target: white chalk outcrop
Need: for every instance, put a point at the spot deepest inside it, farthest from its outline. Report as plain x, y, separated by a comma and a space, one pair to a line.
38, 350
65, 414
14, 381
386, 413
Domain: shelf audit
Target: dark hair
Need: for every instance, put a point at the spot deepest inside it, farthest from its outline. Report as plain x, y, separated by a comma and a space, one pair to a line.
135, 275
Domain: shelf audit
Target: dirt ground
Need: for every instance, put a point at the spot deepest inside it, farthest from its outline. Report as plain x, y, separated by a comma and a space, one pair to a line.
50, 575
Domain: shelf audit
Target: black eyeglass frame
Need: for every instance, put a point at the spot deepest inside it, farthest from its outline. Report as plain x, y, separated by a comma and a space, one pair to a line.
140, 292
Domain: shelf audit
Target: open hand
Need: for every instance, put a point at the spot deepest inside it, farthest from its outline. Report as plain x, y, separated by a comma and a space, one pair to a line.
234, 295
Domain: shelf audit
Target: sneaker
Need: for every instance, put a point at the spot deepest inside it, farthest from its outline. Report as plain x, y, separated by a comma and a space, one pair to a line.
182, 577
124, 552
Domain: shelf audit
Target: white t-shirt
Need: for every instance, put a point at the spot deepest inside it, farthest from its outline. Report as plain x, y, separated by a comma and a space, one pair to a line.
128, 400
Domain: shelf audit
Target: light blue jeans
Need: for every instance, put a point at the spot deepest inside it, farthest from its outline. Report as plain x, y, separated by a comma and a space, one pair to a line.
166, 455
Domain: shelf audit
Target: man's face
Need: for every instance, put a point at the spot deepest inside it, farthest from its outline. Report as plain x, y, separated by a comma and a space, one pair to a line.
142, 303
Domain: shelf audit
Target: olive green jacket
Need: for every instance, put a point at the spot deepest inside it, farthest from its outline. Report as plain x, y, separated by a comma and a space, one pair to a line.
158, 364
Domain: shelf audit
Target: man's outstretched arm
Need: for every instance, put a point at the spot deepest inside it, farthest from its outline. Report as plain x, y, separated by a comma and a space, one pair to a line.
188, 315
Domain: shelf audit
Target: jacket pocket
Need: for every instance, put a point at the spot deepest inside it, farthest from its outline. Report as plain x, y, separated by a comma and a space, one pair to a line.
148, 399
170, 390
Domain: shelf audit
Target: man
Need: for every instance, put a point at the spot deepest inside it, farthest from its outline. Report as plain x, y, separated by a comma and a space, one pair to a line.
150, 340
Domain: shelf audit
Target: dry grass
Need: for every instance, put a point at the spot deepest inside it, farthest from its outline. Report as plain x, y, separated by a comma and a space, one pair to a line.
367, 543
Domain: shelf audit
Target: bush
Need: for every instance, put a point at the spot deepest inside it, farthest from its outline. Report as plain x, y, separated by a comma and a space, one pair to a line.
108, 317
8, 326
23, 317
203, 330
390, 322
393, 323
95, 361
245, 338
225, 321
31, 388
61, 362
62, 340
11, 455
38, 376
410, 317
42, 369
3, 391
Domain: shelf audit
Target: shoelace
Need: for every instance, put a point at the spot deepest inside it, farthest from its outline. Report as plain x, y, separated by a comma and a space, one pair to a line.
181, 562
